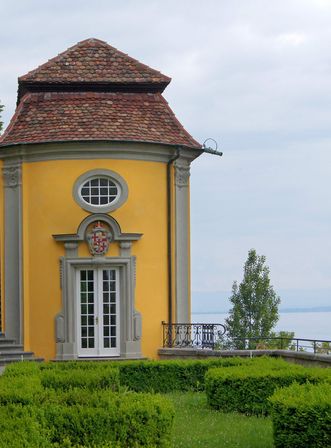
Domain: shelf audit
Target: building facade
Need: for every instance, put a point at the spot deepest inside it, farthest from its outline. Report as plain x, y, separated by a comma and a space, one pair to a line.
95, 208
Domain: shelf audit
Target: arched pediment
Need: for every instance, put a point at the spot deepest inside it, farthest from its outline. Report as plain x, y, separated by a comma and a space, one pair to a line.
109, 220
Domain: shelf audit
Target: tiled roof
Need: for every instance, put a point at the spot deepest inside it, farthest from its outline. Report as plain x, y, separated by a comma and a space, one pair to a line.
83, 116
94, 61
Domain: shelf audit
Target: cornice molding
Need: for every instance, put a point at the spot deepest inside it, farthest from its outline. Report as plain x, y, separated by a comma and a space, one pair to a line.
145, 151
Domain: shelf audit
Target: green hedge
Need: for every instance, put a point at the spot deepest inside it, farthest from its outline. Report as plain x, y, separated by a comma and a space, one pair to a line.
139, 376
36, 368
247, 390
92, 380
144, 376
301, 416
130, 419
169, 376
79, 417
24, 368
20, 390
19, 428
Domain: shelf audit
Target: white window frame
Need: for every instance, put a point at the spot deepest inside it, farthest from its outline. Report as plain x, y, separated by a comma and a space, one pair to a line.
122, 190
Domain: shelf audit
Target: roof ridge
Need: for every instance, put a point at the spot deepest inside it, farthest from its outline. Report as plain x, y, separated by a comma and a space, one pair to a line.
132, 65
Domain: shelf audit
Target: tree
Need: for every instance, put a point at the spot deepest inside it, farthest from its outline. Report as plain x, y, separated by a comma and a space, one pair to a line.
255, 304
1, 123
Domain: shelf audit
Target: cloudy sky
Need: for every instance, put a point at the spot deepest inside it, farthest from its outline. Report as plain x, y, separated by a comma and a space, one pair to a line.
255, 75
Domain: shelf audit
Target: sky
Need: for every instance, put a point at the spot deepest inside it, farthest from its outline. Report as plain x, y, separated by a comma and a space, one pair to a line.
252, 74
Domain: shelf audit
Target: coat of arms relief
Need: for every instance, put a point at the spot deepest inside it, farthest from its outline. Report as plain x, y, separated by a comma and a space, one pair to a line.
99, 238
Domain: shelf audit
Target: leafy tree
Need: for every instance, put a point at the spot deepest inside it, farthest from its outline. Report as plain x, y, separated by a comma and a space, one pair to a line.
323, 347
255, 304
284, 340
1, 123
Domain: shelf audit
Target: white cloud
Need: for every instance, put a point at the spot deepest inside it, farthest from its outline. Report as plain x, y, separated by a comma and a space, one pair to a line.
291, 39
254, 75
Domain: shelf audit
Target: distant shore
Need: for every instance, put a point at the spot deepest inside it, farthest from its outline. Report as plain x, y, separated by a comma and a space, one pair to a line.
315, 309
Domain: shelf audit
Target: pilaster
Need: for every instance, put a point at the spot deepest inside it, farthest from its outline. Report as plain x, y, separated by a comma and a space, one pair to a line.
182, 241
13, 260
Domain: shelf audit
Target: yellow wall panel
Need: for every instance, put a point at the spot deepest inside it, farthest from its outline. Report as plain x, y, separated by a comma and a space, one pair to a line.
49, 208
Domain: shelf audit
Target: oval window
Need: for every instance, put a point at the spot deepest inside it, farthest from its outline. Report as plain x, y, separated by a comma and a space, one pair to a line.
100, 191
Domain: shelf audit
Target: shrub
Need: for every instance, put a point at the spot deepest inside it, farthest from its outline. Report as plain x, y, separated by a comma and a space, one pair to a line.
20, 429
140, 376
135, 420
66, 416
22, 368
92, 380
247, 390
170, 376
301, 416
20, 390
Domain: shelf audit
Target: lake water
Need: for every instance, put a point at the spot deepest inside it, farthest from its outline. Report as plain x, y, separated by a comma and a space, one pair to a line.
307, 325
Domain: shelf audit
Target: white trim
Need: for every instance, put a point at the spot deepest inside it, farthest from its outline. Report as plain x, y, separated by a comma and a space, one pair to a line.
122, 187
99, 350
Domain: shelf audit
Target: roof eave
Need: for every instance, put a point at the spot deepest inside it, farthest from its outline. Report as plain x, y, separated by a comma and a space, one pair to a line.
100, 86
4, 145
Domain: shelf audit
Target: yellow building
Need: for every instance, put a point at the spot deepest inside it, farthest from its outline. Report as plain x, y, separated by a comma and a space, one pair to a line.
95, 208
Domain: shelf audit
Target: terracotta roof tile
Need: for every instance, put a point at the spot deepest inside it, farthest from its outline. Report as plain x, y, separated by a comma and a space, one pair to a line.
83, 116
93, 60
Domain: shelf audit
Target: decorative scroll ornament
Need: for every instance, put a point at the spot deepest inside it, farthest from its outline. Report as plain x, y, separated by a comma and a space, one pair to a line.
99, 239
182, 175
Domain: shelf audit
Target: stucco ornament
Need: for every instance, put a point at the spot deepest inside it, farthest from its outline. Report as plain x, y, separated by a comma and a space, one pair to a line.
12, 176
99, 239
182, 175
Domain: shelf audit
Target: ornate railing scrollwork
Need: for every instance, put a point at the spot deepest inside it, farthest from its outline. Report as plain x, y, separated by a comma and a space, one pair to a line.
192, 335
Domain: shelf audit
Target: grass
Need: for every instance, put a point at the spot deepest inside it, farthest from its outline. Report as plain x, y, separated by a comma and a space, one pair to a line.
196, 425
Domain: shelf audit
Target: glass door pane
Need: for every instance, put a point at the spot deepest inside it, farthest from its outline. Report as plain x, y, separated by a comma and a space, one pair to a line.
109, 308
87, 310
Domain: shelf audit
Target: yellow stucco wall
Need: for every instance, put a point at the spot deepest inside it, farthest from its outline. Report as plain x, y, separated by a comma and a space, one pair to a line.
49, 208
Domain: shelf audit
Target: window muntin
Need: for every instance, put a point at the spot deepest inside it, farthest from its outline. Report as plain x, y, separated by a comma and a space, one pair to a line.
99, 191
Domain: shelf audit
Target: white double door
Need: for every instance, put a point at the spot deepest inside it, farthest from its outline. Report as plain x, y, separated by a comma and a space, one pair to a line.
98, 311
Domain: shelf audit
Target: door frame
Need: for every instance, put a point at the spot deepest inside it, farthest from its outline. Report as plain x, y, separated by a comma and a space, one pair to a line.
98, 351
66, 320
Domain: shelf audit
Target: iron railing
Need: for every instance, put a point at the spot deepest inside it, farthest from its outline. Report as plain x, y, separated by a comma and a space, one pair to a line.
192, 335
214, 336
320, 346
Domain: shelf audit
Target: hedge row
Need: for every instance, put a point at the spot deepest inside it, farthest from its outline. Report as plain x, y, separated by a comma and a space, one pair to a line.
301, 416
78, 407
145, 376
81, 418
95, 379
247, 390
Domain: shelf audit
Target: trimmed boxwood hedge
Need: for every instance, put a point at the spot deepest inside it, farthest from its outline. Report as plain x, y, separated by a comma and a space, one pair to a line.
81, 418
169, 376
139, 376
129, 419
78, 407
19, 428
20, 390
247, 390
301, 416
68, 404
92, 380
